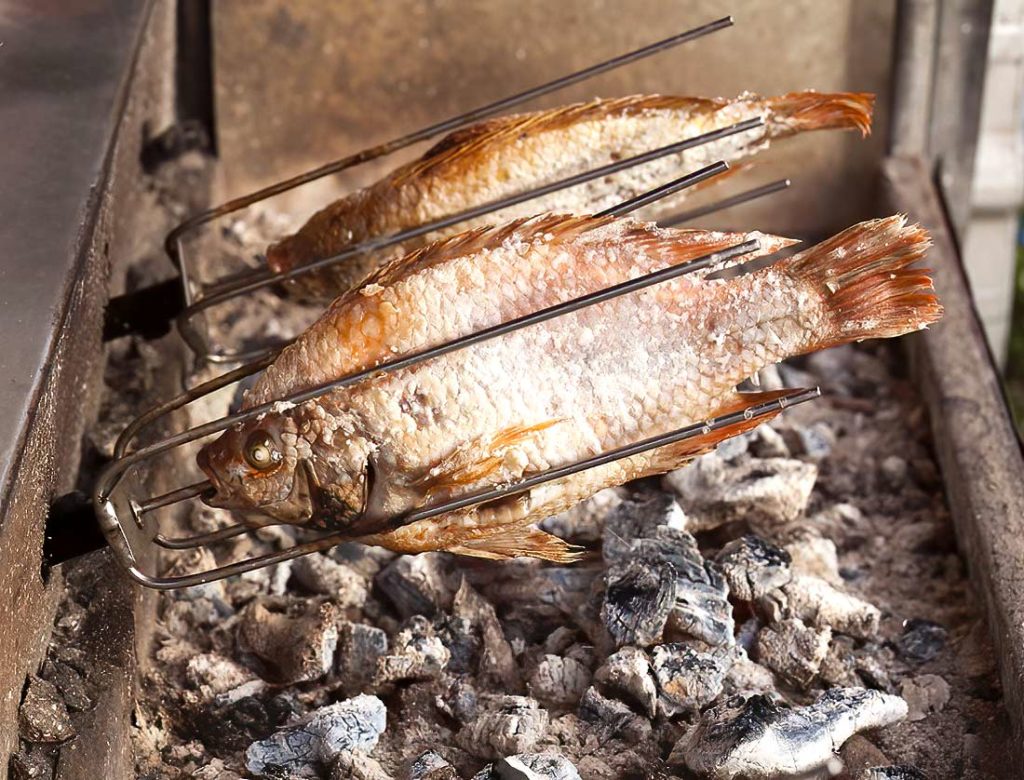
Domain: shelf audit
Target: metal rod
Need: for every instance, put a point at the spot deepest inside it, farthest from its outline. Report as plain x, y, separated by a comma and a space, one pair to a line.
200, 540
561, 472
725, 203
378, 243
174, 496
173, 241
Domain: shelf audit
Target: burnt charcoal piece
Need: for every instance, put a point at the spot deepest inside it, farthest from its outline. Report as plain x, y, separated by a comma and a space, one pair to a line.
896, 772
638, 518
43, 716
294, 649
419, 584
32, 763
629, 672
753, 567
356, 765
610, 714
359, 647
418, 654
70, 684
765, 493
687, 679
211, 674
234, 720
506, 725
793, 651
584, 523
639, 595
321, 574
497, 662
921, 640
559, 681
431, 766
817, 603
755, 737
314, 741
530, 766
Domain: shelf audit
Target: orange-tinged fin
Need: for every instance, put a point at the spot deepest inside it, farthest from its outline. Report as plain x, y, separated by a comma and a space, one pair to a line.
519, 542
479, 460
674, 456
863, 276
812, 110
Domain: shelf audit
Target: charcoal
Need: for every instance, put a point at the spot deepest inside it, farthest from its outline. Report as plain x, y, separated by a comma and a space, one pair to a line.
924, 695
293, 649
753, 566
215, 770
531, 766
69, 682
628, 672
304, 747
320, 574
417, 653
793, 650
895, 772
558, 681
584, 523
731, 449
687, 678
356, 765
462, 639
431, 766
766, 442
921, 640
894, 471
638, 518
364, 560
359, 648
746, 677
610, 715
757, 738
213, 673
811, 553
814, 441
43, 716
235, 719
817, 603
32, 762
639, 595
544, 590
765, 493
419, 584
507, 725
497, 662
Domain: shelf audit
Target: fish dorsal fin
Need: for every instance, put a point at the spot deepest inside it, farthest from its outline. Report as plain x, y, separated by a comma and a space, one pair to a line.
482, 138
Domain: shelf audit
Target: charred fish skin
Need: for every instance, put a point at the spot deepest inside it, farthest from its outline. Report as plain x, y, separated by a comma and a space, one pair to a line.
508, 155
549, 395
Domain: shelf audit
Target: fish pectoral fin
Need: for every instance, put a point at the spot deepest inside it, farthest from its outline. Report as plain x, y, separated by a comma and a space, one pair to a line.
674, 456
488, 459
519, 542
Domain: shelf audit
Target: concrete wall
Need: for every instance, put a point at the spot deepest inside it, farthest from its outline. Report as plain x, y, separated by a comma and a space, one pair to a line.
301, 83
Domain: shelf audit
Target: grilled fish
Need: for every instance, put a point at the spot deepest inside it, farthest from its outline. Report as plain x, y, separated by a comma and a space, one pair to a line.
509, 155
547, 395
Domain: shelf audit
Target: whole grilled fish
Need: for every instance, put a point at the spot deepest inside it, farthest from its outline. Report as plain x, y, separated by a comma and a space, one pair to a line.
547, 395
509, 155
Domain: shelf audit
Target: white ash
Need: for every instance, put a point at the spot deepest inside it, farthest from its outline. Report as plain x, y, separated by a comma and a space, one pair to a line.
431, 766
508, 725
811, 553
417, 653
304, 747
895, 772
325, 576
627, 672
212, 673
753, 567
687, 678
764, 493
419, 584
818, 603
558, 681
530, 766
792, 650
356, 765
293, 649
757, 738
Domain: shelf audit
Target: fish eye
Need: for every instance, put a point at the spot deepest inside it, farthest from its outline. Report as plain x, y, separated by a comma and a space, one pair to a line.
261, 451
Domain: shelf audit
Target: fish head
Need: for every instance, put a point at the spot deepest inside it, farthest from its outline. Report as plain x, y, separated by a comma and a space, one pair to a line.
255, 466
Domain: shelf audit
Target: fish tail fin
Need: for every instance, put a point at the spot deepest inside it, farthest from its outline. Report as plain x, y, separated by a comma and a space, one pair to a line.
862, 275
810, 110
519, 542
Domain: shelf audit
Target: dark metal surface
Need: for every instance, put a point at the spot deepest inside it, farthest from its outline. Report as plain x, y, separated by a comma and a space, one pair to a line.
63, 68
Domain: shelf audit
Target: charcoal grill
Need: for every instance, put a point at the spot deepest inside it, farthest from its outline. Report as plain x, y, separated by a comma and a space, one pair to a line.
158, 76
